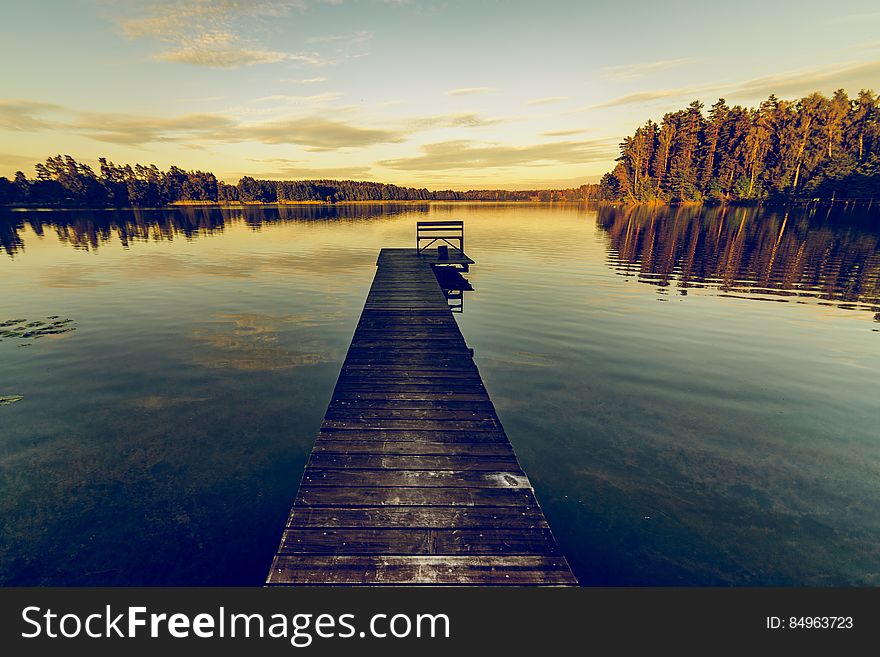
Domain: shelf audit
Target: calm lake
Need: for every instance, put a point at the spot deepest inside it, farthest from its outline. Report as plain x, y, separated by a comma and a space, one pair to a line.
694, 392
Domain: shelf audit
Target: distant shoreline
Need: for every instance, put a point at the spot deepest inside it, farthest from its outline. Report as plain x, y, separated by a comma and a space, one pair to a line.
242, 204
43, 207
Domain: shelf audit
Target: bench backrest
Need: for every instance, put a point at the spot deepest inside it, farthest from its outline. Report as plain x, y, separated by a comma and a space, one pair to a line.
429, 233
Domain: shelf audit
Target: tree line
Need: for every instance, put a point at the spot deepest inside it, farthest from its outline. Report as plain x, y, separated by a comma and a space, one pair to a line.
815, 147
61, 181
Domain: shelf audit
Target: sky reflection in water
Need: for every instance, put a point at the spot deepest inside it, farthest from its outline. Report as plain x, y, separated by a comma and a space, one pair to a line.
677, 431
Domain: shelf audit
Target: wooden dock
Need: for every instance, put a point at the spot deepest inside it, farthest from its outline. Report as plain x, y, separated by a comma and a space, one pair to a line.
412, 480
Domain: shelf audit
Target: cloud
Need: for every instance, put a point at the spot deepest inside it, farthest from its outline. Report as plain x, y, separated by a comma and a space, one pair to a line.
306, 80
315, 99
166, 19
361, 36
547, 100
313, 132
807, 81
848, 75
208, 32
461, 154
454, 120
131, 129
26, 115
633, 71
646, 96
470, 91
563, 133
223, 51
316, 130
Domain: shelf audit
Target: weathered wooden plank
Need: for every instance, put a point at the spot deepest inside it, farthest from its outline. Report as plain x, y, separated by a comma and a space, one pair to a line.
412, 396
409, 387
419, 516
427, 478
394, 541
409, 435
397, 353
392, 448
350, 496
423, 377
446, 405
405, 360
443, 346
401, 322
327, 461
430, 570
434, 414
401, 360
438, 425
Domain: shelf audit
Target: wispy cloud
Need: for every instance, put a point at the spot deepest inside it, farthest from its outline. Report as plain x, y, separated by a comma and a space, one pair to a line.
168, 18
208, 32
360, 36
26, 115
310, 81
454, 120
633, 71
460, 154
547, 100
132, 130
224, 51
562, 133
470, 91
848, 75
312, 132
646, 96
806, 81
314, 99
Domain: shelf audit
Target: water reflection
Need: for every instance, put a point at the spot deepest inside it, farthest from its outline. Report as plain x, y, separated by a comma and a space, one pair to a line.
709, 442
88, 229
757, 253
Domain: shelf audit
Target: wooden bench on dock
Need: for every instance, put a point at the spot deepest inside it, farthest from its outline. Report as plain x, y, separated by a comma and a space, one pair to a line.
412, 480
450, 233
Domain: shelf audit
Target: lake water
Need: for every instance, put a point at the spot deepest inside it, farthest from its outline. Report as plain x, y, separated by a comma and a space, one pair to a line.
694, 393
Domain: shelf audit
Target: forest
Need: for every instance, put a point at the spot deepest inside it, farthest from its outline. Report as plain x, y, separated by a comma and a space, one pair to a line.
815, 147
62, 181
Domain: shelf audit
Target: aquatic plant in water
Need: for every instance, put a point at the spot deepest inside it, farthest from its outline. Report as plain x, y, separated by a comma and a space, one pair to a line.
22, 329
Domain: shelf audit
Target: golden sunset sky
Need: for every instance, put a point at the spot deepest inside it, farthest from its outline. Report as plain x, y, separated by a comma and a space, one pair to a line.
447, 94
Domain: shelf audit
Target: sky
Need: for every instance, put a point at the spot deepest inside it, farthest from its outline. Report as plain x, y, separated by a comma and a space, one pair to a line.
458, 94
